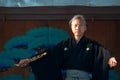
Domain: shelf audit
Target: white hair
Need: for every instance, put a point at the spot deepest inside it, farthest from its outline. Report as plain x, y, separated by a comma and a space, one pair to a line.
81, 17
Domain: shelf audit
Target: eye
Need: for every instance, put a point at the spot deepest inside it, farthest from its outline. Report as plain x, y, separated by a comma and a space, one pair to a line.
75, 25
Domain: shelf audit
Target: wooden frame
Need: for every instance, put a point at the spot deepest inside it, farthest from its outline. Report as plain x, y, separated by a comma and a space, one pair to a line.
58, 12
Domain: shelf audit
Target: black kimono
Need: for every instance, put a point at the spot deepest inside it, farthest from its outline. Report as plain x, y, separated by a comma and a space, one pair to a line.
86, 55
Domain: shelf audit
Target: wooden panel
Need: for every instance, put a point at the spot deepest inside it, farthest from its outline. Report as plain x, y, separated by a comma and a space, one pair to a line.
1, 35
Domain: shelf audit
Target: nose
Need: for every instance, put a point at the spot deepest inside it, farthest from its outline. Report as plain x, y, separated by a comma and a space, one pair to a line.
77, 27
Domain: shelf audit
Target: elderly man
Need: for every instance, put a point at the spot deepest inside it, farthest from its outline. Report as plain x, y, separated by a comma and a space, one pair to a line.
78, 55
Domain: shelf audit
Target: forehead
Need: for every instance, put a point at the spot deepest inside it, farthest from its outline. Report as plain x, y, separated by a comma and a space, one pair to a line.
76, 21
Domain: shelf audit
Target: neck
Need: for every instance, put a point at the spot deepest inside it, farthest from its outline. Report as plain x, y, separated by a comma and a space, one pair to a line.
77, 38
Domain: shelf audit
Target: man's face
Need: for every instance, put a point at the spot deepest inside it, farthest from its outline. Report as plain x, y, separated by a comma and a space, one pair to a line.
78, 27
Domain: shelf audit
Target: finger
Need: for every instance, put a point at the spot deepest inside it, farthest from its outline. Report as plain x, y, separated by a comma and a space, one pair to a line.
113, 64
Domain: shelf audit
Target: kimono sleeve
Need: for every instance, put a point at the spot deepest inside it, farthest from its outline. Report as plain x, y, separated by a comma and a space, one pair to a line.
101, 67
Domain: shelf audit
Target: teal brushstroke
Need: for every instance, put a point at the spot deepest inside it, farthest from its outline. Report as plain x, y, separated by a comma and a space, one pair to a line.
18, 41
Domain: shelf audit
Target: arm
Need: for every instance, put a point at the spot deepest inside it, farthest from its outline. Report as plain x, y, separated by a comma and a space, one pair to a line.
104, 60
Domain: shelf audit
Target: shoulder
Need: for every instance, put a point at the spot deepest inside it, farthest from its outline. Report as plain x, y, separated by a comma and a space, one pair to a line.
92, 41
95, 44
63, 43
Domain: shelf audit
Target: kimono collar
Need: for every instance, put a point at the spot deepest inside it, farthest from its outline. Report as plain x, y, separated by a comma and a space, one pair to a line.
74, 43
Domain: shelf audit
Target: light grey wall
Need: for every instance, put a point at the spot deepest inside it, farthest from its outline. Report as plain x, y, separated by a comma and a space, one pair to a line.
25, 3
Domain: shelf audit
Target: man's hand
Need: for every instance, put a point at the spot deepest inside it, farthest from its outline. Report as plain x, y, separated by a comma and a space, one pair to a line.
112, 62
23, 62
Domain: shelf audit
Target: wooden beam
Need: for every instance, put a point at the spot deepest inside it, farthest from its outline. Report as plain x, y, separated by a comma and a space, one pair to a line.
59, 12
